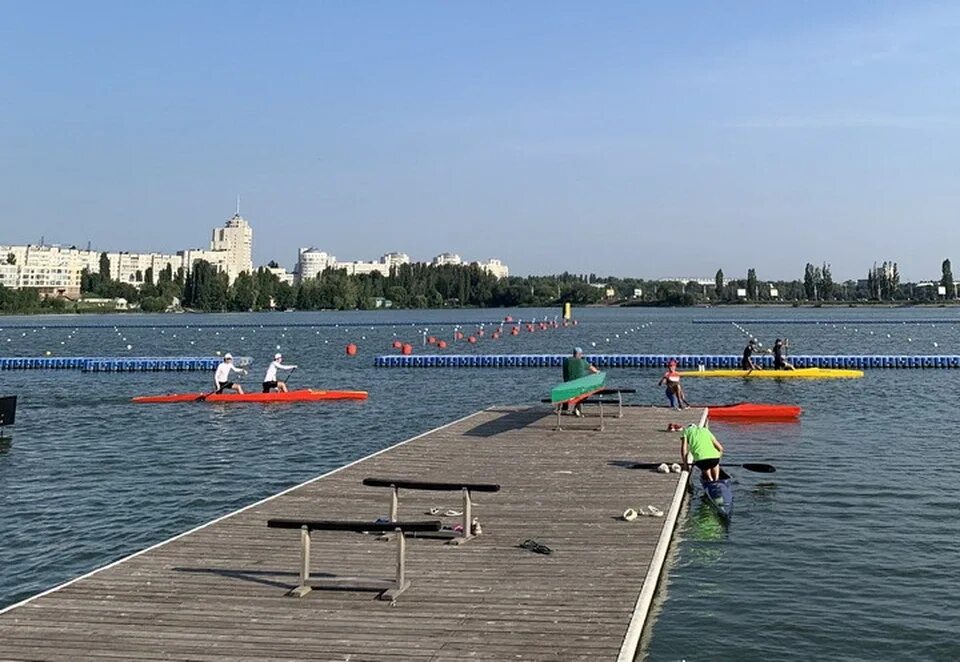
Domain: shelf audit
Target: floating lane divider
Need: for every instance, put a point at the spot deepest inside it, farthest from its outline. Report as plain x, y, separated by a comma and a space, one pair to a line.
825, 322
689, 361
119, 364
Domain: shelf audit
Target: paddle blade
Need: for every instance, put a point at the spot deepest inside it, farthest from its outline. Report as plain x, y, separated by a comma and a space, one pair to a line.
759, 467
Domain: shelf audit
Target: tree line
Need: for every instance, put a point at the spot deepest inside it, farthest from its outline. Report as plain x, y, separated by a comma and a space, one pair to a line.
204, 288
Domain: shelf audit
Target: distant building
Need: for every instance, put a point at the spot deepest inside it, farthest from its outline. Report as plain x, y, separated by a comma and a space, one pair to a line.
447, 258
494, 267
395, 259
311, 262
282, 274
684, 280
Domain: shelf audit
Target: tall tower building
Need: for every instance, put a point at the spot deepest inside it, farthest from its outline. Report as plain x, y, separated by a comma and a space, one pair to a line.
235, 239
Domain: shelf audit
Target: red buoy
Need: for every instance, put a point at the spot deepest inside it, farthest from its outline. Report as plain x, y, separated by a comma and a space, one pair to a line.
515, 331
432, 340
351, 350
407, 349
458, 336
508, 318
397, 344
442, 344
472, 340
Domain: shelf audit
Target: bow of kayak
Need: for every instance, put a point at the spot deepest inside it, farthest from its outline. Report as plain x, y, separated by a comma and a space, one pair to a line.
719, 494
302, 395
750, 411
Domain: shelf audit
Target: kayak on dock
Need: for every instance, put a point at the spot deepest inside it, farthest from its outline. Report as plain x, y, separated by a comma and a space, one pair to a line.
799, 373
750, 411
719, 494
302, 395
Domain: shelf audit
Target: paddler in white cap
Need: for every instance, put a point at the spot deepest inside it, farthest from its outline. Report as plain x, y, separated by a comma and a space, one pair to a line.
222, 376
270, 379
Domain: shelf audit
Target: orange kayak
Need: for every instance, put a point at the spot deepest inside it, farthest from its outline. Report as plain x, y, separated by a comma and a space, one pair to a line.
303, 395
749, 411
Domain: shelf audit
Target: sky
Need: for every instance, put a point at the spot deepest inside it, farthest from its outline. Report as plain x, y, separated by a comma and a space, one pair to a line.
618, 138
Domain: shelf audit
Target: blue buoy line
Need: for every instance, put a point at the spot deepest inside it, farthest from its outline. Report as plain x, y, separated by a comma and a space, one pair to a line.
688, 361
119, 364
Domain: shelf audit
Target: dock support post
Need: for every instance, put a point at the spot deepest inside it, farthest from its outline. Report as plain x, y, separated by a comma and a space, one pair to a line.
401, 582
394, 503
304, 587
467, 519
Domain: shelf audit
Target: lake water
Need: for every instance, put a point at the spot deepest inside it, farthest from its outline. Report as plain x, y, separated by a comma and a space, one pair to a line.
850, 551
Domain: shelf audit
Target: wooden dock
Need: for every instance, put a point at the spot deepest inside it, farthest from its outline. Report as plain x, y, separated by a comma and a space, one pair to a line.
219, 591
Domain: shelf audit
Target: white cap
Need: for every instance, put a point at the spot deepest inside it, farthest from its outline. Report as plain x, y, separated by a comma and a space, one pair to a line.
228, 355
277, 356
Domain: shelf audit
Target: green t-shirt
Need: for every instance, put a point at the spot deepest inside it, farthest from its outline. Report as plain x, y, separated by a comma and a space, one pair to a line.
700, 443
574, 368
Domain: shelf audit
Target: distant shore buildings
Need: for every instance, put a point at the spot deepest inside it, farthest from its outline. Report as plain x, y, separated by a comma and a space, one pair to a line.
311, 262
57, 270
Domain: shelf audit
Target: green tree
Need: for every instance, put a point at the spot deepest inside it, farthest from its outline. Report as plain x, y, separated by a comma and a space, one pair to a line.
104, 265
826, 283
718, 282
946, 279
752, 290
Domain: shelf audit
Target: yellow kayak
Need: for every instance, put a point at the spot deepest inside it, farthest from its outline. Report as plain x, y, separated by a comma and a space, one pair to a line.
799, 373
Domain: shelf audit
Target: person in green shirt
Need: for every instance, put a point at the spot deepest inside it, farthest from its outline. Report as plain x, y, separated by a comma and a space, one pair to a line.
697, 441
575, 367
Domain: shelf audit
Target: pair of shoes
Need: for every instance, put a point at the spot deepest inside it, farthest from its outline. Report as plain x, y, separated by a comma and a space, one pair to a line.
475, 528
664, 468
676, 468
534, 546
630, 514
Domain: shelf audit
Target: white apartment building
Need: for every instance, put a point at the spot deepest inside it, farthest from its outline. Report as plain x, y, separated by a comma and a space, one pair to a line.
447, 258
236, 239
231, 249
282, 274
311, 262
135, 268
494, 267
395, 259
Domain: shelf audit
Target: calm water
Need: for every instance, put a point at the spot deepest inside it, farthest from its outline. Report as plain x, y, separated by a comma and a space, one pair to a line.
849, 551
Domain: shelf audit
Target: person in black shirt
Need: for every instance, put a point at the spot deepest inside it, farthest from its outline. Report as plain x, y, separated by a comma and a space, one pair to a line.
779, 355
746, 363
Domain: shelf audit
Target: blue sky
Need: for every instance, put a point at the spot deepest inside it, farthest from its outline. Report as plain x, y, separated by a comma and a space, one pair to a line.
645, 139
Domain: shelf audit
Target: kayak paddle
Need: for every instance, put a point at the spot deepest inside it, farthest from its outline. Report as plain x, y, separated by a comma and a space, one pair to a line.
749, 466
203, 397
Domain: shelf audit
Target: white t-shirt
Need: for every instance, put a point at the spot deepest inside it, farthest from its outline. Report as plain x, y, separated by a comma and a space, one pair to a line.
271, 375
223, 372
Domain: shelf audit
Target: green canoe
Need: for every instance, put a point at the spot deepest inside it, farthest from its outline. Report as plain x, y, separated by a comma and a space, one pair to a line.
577, 387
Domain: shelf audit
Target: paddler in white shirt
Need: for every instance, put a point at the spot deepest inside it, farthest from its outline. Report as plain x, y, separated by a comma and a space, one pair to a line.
222, 376
270, 379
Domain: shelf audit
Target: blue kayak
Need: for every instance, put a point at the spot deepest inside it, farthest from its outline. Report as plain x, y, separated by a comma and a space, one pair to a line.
719, 494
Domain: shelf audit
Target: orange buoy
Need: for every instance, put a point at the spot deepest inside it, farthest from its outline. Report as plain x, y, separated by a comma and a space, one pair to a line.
397, 344
479, 333
407, 349
442, 344
432, 340
508, 318
515, 331
458, 336
472, 340
351, 350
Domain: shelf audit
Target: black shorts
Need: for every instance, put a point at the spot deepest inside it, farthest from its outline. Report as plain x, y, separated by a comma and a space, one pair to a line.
779, 364
223, 385
703, 465
744, 364
269, 385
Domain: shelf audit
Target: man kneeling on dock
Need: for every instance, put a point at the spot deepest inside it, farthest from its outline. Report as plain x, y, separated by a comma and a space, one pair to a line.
699, 442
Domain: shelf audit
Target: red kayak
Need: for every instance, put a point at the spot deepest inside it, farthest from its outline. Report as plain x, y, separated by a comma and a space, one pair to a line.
303, 395
748, 411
